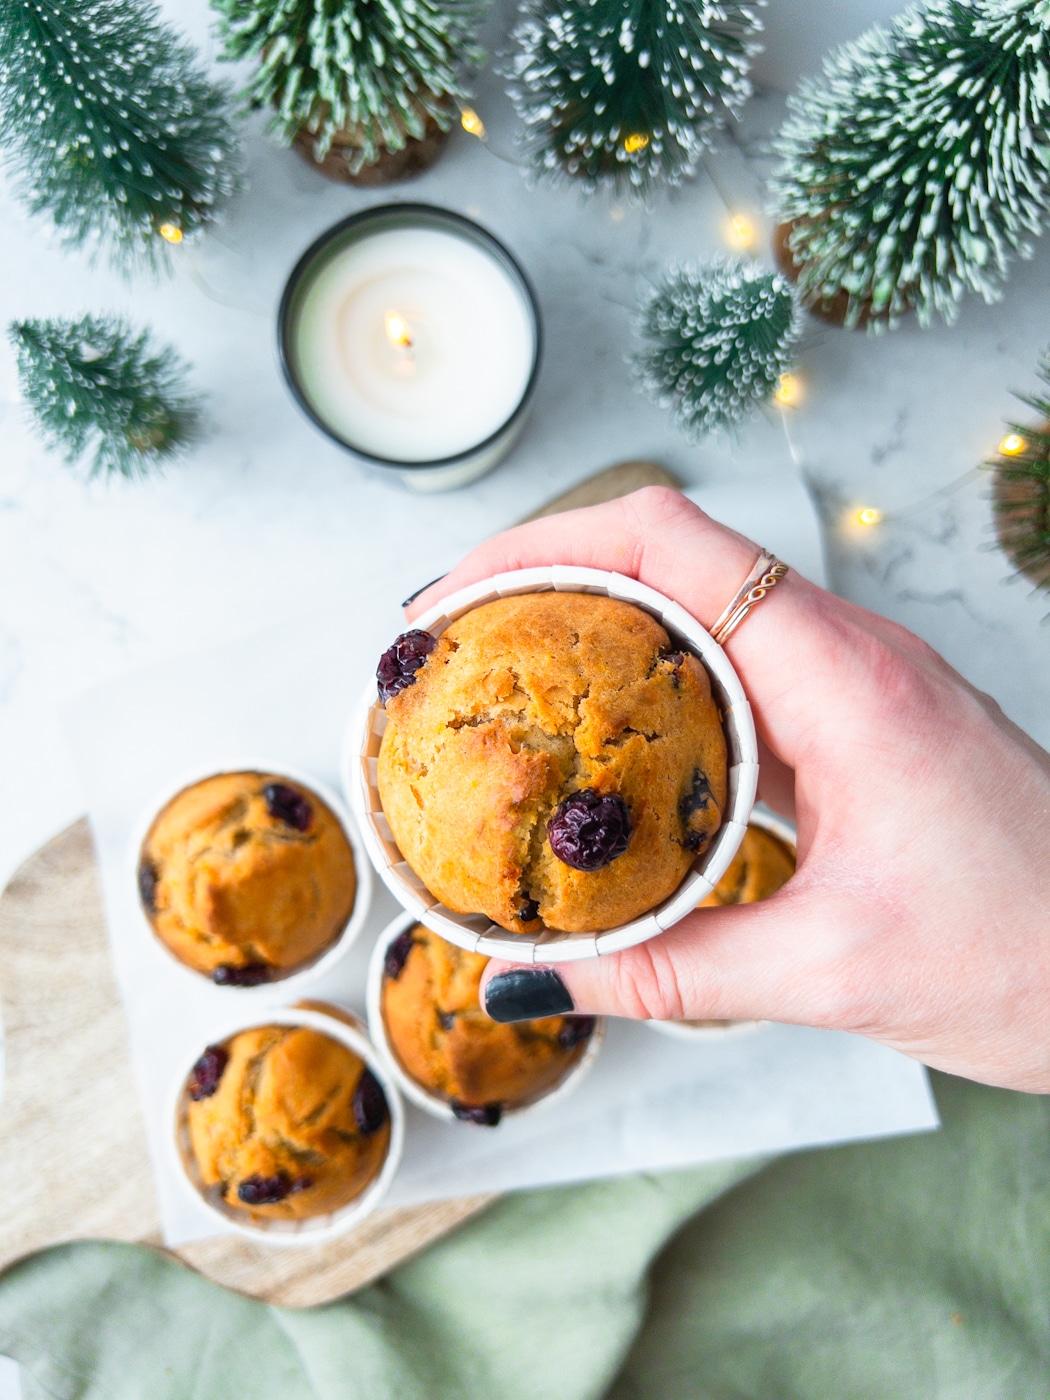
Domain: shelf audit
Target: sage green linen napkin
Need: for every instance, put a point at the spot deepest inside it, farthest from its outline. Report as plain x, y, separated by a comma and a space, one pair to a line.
913, 1268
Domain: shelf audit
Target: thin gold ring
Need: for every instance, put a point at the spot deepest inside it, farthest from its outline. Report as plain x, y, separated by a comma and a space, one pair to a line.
766, 574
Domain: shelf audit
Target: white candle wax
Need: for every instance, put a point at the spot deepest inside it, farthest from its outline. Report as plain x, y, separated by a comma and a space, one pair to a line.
471, 350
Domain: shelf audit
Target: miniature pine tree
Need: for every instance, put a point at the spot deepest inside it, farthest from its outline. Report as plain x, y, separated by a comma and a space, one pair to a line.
717, 339
375, 68
99, 389
111, 125
1021, 492
920, 163
625, 93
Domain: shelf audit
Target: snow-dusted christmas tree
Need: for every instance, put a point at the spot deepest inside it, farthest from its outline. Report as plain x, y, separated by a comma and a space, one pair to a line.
717, 338
627, 93
355, 80
105, 393
111, 126
919, 164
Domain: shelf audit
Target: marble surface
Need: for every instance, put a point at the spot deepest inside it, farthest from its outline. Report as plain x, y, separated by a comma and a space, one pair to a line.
267, 516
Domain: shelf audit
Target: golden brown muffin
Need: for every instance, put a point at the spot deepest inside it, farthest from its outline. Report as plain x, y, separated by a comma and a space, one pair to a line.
445, 1042
761, 866
286, 1122
247, 877
542, 729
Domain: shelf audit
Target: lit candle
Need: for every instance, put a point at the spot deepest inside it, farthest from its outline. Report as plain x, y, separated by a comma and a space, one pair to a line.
411, 336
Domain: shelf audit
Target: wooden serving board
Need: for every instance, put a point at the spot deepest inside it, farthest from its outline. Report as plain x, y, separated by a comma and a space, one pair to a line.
72, 1139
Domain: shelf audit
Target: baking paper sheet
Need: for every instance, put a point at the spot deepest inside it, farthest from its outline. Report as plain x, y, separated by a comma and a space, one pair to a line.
652, 1102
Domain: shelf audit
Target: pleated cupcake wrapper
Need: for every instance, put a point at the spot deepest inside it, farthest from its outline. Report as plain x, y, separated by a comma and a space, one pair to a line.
432, 1103
764, 817
317, 1229
476, 932
289, 986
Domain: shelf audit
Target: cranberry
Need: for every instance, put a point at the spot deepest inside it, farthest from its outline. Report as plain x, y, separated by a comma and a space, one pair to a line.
369, 1104
397, 954
446, 1020
698, 799
589, 829
264, 1190
575, 1030
149, 879
486, 1115
206, 1073
528, 910
399, 663
287, 804
250, 975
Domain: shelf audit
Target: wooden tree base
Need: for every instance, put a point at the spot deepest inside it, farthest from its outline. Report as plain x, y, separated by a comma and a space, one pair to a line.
833, 311
417, 155
1022, 517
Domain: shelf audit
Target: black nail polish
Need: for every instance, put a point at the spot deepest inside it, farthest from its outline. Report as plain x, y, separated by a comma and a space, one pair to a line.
526, 994
413, 596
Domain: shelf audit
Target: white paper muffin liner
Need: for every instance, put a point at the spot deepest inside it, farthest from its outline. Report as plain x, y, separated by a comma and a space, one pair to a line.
318, 1229
476, 932
764, 817
434, 1104
296, 980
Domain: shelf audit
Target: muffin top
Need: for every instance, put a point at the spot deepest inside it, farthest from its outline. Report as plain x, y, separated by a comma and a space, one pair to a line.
444, 1041
247, 877
760, 867
551, 760
286, 1122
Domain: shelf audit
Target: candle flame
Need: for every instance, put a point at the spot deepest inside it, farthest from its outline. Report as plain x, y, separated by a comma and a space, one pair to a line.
397, 330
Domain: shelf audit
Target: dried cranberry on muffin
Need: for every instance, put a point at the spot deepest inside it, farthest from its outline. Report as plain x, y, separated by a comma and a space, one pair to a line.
286, 1122
247, 877
445, 1042
761, 866
550, 760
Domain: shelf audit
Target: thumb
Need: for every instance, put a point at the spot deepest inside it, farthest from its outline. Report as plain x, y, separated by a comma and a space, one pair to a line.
779, 960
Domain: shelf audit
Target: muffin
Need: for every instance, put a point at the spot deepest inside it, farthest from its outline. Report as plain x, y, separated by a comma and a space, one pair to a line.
760, 867
550, 761
247, 877
443, 1040
285, 1122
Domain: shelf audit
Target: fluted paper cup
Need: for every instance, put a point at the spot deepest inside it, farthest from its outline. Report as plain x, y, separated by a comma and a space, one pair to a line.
778, 826
288, 986
340, 1026
476, 932
422, 1097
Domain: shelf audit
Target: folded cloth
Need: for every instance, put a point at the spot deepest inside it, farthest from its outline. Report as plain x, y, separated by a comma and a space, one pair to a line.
910, 1267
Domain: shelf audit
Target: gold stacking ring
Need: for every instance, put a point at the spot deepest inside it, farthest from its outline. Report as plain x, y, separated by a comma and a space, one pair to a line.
766, 574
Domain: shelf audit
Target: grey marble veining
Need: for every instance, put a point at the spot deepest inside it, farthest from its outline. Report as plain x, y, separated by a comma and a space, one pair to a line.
268, 517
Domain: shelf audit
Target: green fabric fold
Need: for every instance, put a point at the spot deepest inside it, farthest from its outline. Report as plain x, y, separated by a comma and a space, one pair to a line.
909, 1267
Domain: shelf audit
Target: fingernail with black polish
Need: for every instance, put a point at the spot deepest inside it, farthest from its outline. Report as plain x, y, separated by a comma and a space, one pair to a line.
526, 994
413, 596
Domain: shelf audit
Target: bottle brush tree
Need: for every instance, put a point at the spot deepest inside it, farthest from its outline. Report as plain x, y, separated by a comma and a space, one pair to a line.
627, 93
104, 393
919, 164
1021, 490
110, 125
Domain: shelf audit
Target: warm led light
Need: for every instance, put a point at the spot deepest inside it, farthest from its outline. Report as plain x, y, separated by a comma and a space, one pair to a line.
171, 233
471, 122
868, 515
637, 141
397, 330
741, 231
1012, 444
789, 390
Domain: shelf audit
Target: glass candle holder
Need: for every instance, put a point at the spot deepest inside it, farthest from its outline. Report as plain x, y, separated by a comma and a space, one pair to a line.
410, 336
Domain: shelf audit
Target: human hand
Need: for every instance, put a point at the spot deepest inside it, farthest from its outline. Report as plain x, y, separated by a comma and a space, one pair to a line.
920, 911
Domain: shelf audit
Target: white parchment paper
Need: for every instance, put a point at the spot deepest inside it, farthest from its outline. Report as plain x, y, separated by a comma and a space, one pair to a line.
650, 1103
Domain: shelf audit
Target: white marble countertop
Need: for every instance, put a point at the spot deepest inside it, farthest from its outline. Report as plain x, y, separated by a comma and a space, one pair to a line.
267, 516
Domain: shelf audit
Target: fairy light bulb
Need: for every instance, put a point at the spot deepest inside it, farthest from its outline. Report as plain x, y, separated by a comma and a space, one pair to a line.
171, 233
868, 515
397, 331
788, 391
637, 141
1012, 444
472, 123
741, 232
